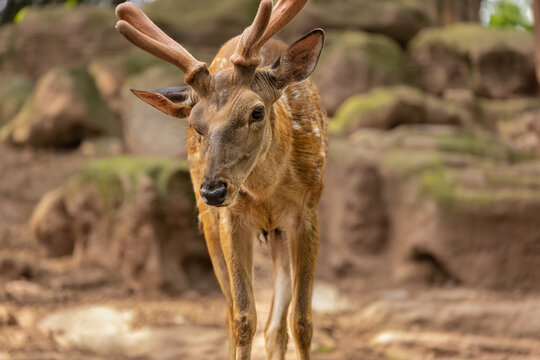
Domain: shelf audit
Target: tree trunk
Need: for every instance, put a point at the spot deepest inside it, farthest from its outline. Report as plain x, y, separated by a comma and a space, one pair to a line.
536, 11
446, 12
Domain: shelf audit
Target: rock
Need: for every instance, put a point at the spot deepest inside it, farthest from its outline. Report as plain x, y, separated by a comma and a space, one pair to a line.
399, 20
14, 90
83, 329
134, 217
387, 108
22, 291
55, 236
352, 212
6, 317
64, 109
463, 311
516, 121
401, 345
147, 131
446, 209
354, 62
446, 206
68, 35
328, 299
494, 63
12, 268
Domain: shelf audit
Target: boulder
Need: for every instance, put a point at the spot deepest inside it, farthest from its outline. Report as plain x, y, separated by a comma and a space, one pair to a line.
353, 215
494, 63
67, 35
516, 121
459, 208
146, 130
387, 108
14, 90
133, 216
400, 20
354, 62
64, 109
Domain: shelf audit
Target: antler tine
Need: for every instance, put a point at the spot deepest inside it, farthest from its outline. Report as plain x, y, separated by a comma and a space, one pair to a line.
143, 33
282, 14
267, 23
246, 54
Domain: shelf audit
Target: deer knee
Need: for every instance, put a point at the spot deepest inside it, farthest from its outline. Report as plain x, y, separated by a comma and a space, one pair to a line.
244, 326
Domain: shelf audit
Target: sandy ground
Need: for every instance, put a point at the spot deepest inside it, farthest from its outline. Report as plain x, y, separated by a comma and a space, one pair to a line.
50, 309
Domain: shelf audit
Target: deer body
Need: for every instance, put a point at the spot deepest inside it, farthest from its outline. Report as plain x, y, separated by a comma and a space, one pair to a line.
256, 152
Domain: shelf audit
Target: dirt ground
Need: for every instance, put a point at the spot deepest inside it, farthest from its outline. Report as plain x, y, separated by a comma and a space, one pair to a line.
50, 309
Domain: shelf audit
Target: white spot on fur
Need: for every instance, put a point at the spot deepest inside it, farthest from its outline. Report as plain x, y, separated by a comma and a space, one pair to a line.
296, 126
316, 131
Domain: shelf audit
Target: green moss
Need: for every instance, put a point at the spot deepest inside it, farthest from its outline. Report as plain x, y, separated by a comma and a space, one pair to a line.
369, 110
495, 176
14, 91
326, 349
485, 146
409, 162
471, 39
358, 106
100, 115
382, 54
116, 179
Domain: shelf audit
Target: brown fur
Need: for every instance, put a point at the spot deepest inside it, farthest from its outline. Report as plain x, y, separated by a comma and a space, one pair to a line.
267, 169
281, 192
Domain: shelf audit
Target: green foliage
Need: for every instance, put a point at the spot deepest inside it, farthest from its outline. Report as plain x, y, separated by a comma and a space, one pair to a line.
20, 15
506, 13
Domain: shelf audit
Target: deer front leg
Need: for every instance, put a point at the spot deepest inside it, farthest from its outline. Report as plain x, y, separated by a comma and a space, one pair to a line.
304, 246
237, 245
275, 333
211, 234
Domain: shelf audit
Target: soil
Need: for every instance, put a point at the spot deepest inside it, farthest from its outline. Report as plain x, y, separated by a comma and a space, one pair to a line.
360, 316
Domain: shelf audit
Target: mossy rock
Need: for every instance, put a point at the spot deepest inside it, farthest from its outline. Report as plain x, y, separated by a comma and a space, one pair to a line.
65, 108
387, 108
118, 179
451, 206
397, 19
134, 216
206, 22
14, 91
58, 35
354, 62
455, 167
494, 63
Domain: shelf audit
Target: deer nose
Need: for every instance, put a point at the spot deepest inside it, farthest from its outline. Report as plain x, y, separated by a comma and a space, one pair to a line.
213, 192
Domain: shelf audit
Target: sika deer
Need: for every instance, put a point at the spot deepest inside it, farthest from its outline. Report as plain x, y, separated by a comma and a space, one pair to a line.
256, 151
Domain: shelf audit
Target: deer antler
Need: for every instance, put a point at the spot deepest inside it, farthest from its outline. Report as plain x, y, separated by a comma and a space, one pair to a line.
143, 33
267, 23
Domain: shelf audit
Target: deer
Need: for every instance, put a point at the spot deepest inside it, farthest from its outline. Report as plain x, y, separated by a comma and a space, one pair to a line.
256, 148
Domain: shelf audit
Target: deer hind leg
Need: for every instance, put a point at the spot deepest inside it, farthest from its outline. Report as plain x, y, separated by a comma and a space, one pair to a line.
211, 234
304, 246
237, 245
275, 332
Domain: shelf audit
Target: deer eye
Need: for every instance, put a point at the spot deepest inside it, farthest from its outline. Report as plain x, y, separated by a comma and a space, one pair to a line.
257, 114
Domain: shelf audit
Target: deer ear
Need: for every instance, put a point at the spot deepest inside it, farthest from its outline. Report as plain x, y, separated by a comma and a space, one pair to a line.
298, 62
174, 101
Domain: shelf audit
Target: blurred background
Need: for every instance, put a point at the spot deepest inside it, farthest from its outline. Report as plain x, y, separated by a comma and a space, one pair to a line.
430, 219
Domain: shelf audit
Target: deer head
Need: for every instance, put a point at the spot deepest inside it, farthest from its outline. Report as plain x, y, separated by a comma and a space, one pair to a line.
231, 110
